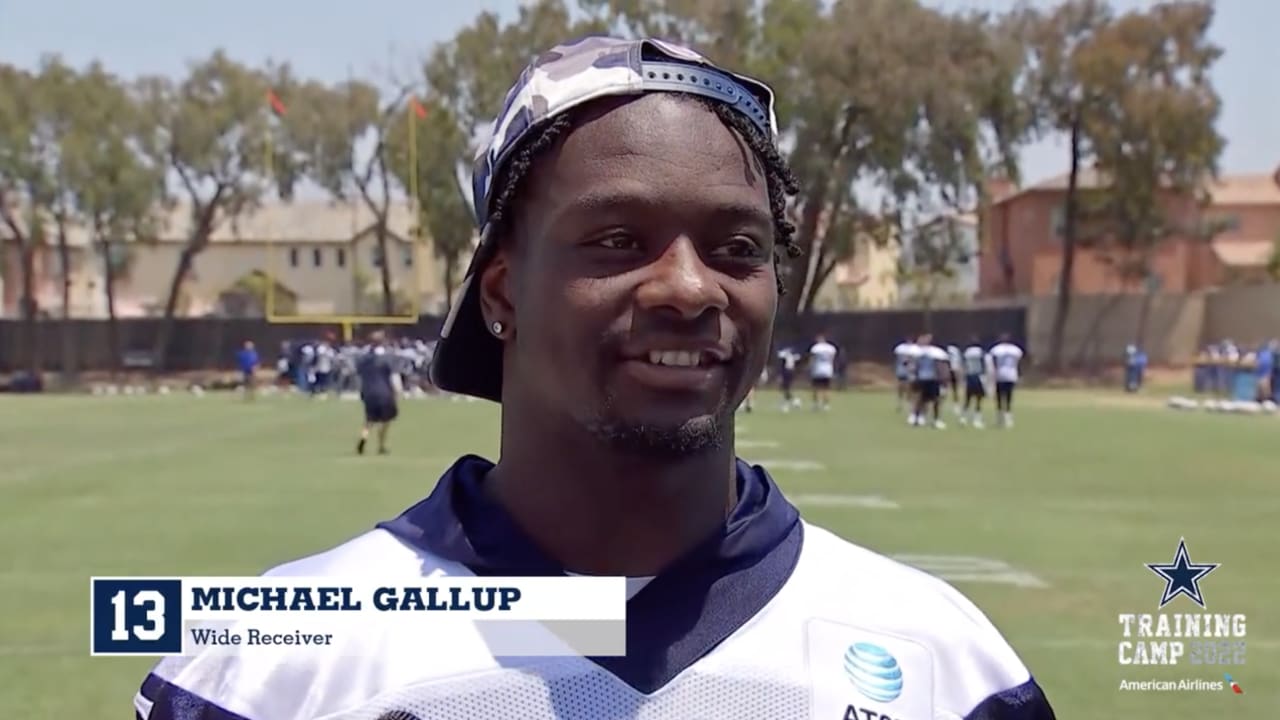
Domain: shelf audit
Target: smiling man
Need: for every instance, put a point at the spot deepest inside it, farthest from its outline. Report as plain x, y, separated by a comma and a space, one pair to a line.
632, 207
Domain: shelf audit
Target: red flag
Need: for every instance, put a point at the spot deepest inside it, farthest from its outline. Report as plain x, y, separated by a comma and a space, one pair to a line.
418, 108
276, 105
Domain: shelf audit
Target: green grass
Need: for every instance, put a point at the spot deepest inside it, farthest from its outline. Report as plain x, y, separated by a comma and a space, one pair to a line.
1085, 490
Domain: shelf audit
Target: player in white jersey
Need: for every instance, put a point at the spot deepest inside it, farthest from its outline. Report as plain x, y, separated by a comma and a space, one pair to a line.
822, 371
932, 366
1006, 358
903, 361
788, 359
324, 358
618, 361
955, 363
977, 368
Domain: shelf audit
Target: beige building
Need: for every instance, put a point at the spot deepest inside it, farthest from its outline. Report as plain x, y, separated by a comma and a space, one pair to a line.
950, 241
867, 281
323, 257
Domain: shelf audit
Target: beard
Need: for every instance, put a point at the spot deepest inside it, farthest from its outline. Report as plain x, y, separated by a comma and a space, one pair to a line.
661, 440
692, 437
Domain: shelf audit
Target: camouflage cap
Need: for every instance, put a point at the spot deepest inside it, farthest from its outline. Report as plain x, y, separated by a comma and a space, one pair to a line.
468, 358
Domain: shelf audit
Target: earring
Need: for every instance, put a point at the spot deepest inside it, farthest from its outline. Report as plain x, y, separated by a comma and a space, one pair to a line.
497, 327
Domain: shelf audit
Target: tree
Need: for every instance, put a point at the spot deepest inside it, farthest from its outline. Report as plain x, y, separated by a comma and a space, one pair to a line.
466, 82
439, 151
324, 127
117, 190
932, 258
22, 181
210, 131
850, 108
1155, 134
54, 98
1058, 43
973, 123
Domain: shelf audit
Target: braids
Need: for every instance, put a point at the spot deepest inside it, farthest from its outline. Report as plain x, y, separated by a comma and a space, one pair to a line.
781, 181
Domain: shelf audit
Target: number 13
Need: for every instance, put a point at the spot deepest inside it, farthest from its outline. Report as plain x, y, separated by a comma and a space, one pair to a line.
153, 630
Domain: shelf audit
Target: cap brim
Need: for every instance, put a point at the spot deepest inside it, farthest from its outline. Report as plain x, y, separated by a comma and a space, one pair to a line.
468, 358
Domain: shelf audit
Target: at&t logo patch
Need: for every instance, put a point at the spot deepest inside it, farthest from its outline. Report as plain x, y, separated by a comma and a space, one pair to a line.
874, 671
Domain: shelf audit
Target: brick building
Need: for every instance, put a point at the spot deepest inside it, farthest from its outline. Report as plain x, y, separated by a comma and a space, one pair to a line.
1022, 235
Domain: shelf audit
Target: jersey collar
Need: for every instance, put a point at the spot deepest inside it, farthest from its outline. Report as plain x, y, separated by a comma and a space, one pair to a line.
681, 615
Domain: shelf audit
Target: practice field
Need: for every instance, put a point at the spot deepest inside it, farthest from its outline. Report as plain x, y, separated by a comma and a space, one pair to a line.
1047, 527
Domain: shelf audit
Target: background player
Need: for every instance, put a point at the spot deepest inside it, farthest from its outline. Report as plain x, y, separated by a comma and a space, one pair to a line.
247, 362
955, 362
379, 388
788, 359
977, 367
931, 367
903, 361
822, 370
1006, 357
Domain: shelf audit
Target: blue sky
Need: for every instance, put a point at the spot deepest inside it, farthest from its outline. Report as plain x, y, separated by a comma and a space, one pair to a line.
327, 39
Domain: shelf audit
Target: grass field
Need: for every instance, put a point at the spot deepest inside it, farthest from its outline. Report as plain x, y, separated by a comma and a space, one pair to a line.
1062, 511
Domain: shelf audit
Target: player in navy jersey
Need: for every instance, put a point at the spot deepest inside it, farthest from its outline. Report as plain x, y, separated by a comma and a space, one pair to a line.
632, 206
379, 388
955, 366
977, 368
932, 368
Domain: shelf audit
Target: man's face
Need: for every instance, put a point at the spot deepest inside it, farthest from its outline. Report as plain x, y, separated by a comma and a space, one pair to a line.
641, 279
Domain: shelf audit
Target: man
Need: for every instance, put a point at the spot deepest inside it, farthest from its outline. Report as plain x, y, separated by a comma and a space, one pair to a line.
324, 359
977, 367
1275, 370
931, 365
1264, 368
379, 388
903, 358
632, 211
788, 359
955, 362
1135, 366
247, 362
822, 370
306, 367
1006, 357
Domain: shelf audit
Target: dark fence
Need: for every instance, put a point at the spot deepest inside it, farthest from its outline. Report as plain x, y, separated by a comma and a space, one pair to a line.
211, 343
870, 336
195, 344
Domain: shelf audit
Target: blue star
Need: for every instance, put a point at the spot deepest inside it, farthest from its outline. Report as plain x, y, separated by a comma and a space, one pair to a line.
1182, 577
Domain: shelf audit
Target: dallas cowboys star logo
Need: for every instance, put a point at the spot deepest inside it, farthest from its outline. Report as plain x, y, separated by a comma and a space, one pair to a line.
1182, 577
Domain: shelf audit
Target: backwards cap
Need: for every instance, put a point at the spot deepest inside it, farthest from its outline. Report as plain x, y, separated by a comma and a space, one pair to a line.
468, 358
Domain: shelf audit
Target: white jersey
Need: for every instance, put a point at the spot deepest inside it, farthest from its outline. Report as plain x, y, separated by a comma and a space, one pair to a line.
975, 361
903, 357
790, 358
954, 357
1006, 357
931, 363
823, 360
815, 627
324, 358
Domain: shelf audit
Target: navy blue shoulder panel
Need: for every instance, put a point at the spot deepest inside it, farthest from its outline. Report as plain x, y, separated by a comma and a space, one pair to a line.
1024, 702
171, 702
680, 616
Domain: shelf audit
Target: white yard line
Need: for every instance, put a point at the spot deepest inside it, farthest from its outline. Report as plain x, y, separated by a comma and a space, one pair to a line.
871, 502
965, 568
797, 465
